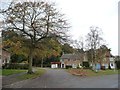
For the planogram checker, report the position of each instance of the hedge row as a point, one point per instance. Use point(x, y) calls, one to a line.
point(15, 66)
point(118, 64)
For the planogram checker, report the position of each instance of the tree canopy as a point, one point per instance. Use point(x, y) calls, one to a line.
point(35, 21)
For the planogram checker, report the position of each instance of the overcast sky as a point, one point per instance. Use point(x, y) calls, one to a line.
point(85, 13)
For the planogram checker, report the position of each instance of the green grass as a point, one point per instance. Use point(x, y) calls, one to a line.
point(0, 71)
point(101, 72)
point(36, 74)
point(119, 71)
point(6, 72)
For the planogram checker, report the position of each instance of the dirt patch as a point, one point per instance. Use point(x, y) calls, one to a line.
point(78, 72)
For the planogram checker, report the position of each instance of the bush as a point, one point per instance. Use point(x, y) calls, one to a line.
point(67, 67)
point(18, 58)
point(15, 66)
point(103, 67)
point(86, 65)
point(118, 64)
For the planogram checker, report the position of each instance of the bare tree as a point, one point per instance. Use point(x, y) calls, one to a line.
point(94, 40)
point(79, 44)
point(35, 21)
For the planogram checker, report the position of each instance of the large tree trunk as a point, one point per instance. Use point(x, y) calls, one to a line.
point(42, 63)
point(30, 71)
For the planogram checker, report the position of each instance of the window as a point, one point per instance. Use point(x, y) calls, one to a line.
point(3, 61)
point(111, 64)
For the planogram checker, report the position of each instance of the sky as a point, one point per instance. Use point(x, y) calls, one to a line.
point(85, 13)
point(81, 14)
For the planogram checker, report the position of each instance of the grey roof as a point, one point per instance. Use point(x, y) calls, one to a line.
point(70, 56)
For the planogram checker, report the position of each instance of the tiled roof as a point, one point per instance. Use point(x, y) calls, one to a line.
point(55, 62)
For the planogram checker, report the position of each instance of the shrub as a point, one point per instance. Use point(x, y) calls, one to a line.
point(86, 64)
point(118, 64)
point(67, 67)
point(102, 67)
point(16, 66)
point(18, 58)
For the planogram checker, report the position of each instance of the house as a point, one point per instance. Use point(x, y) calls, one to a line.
point(71, 60)
point(103, 59)
point(55, 64)
point(5, 57)
point(112, 62)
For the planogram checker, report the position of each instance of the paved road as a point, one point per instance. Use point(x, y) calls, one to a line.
point(58, 78)
point(6, 80)
point(0, 82)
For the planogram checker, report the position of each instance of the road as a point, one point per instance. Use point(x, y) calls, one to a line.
point(58, 78)
point(0, 82)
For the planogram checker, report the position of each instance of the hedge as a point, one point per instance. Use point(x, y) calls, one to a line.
point(15, 66)
point(118, 64)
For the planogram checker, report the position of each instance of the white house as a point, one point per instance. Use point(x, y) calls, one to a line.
point(55, 64)
point(112, 63)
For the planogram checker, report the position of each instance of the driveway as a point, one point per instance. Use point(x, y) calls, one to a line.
point(58, 78)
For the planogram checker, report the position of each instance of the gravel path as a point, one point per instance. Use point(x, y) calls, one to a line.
point(58, 78)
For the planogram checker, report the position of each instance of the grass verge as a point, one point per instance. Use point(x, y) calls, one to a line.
point(0, 71)
point(102, 72)
point(36, 74)
point(88, 72)
point(6, 72)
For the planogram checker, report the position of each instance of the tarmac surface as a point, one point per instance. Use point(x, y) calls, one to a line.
point(59, 78)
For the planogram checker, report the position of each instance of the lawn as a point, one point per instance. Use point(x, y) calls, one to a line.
point(0, 71)
point(102, 72)
point(6, 72)
point(36, 74)
point(88, 72)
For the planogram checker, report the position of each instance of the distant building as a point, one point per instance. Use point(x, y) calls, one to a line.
point(104, 60)
point(71, 60)
point(55, 64)
point(4, 57)
point(112, 62)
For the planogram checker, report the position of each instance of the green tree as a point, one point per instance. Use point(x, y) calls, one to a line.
point(66, 48)
point(35, 21)
point(14, 43)
point(18, 58)
point(48, 47)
